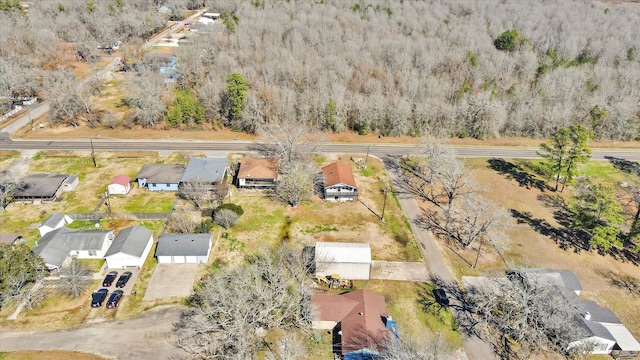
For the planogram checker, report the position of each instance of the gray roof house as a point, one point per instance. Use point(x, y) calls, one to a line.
point(41, 187)
point(209, 170)
point(130, 248)
point(59, 246)
point(160, 177)
point(184, 248)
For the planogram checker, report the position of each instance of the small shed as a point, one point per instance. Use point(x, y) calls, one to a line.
point(53, 222)
point(70, 183)
point(130, 248)
point(120, 185)
point(348, 260)
point(184, 248)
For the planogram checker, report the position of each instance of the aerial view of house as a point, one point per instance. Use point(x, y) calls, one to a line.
point(120, 185)
point(339, 184)
point(130, 248)
point(58, 247)
point(160, 177)
point(258, 172)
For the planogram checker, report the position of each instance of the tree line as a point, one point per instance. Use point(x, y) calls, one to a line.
point(480, 69)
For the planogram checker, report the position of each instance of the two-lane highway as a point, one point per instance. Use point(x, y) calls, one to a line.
point(377, 149)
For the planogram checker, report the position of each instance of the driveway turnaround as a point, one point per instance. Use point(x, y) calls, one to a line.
point(171, 280)
point(144, 337)
point(396, 270)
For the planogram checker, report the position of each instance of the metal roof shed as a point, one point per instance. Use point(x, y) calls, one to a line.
point(349, 260)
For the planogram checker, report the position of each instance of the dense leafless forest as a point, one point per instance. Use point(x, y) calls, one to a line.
point(389, 67)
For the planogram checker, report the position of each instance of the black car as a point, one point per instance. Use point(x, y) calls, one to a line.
point(122, 280)
point(114, 299)
point(440, 296)
point(108, 280)
point(98, 297)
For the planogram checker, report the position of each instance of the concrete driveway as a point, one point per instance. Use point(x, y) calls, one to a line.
point(171, 280)
point(396, 270)
point(127, 288)
point(144, 337)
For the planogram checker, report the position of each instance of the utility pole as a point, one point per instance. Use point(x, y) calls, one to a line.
point(367, 157)
point(477, 255)
point(384, 203)
point(93, 154)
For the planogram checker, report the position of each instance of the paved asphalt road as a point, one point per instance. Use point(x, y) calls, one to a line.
point(144, 337)
point(180, 145)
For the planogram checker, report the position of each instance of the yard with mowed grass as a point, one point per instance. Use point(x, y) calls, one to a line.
point(607, 280)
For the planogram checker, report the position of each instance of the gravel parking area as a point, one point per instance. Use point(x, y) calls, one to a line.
point(171, 280)
point(396, 270)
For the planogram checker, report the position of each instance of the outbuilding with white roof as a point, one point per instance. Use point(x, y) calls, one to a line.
point(348, 260)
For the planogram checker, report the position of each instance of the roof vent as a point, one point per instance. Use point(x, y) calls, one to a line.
point(360, 313)
point(586, 315)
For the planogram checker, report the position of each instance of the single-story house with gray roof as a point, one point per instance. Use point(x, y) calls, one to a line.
point(41, 187)
point(160, 177)
point(53, 222)
point(184, 248)
point(59, 246)
point(130, 248)
point(209, 170)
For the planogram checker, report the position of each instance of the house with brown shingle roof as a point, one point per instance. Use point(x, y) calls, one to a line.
point(359, 320)
point(258, 172)
point(339, 184)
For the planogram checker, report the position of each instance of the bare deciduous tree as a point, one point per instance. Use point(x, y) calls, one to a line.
point(182, 222)
point(430, 346)
point(10, 182)
point(524, 313)
point(296, 182)
point(225, 218)
point(75, 279)
point(146, 91)
point(289, 141)
point(234, 308)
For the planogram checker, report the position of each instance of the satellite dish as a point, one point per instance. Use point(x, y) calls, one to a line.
point(97, 225)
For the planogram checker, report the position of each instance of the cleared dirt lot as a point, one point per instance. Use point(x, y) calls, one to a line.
point(171, 280)
point(403, 271)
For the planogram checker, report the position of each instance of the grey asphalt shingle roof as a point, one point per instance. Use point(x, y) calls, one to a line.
point(53, 220)
point(560, 278)
point(40, 186)
point(598, 313)
point(161, 173)
point(209, 170)
point(54, 247)
point(183, 245)
point(131, 241)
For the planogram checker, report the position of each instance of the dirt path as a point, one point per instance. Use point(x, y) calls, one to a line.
point(143, 337)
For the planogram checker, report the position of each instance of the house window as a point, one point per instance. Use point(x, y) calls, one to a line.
point(153, 185)
point(92, 253)
point(168, 185)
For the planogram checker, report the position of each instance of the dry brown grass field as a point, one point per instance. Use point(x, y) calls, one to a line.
point(603, 277)
point(48, 355)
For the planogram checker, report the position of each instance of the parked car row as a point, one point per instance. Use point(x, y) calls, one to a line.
point(122, 280)
point(98, 298)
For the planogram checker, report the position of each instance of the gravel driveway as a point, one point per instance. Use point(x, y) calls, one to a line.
point(144, 337)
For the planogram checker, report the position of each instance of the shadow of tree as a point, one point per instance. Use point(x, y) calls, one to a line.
point(561, 211)
point(630, 167)
point(622, 281)
point(564, 237)
point(516, 172)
